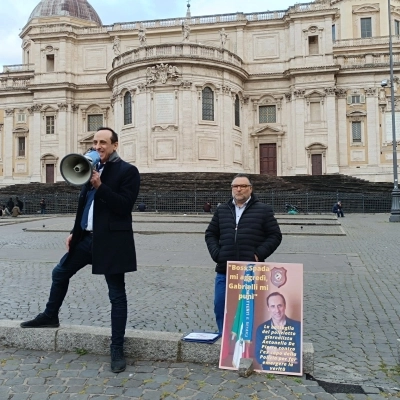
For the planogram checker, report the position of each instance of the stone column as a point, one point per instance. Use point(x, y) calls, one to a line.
point(8, 154)
point(187, 121)
point(62, 128)
point(288, 157)
point(225, 127)
point(298, 132)
point(143, 124)
point(36, 174)
point(73, 135)
point(343, 158)
point(239, 42)
point(248, 148)
point(332, 166)
point(372, 133)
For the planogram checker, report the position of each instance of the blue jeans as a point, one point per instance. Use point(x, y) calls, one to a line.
point(63, 272)
point(219, 300)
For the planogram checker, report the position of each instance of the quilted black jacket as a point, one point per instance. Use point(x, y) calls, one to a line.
point(257, 233)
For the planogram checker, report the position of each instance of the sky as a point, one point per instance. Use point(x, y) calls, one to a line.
point(14, 15)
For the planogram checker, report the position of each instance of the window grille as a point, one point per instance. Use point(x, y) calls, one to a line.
point(95, 121)
point(207, 104)
point(127, 108)
point(267, 114)
point(50, 125)
point(21, 147)
point(237, 111)
point(356, 132)
point(366, 27)
point(313, 47)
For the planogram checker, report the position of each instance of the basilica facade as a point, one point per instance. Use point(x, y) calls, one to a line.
point(289, 92)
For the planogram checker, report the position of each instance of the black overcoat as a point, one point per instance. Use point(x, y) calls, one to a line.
point(257, 233)
point(113, 246)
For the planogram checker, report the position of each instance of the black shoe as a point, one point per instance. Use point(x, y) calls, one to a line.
point(118, 362)
point(41, 321)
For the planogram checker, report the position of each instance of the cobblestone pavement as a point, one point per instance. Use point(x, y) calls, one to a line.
point(37, 375)
point(351, 300)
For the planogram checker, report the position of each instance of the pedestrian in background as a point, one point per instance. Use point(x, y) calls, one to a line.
point(207, 207)
point(15, 211)
point(141, 207)
point(338, 209)
point(10, 205)
point(42, 206)
point(19, 203)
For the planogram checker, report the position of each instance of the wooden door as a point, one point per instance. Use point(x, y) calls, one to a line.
point(316, 164)
point(49, 173)
point(268, 159)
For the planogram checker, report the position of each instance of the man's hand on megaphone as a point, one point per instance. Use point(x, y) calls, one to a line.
point(95, 179)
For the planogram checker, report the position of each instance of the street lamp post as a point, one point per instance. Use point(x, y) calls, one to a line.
point(395, 211)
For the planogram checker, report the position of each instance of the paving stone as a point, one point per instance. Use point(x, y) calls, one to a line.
point(351, 337)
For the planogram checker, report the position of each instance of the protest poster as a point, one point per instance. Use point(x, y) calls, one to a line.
point(264, 317)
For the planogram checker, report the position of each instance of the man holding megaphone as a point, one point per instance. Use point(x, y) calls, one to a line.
point(102, 236)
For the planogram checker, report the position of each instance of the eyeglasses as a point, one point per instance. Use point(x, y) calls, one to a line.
point(240, 186)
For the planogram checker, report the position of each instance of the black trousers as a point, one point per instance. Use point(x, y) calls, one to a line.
point(65, 269)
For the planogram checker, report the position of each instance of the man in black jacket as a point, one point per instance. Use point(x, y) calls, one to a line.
point(102, 236)
point(244, 229)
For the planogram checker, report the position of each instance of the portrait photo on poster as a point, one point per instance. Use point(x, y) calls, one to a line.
point(264, 317)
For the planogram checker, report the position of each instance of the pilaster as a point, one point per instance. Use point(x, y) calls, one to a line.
point(342, 128)
point(332, 166)
point(300, 151)
point(8, 160)
point(372, 134)
point(36, 148)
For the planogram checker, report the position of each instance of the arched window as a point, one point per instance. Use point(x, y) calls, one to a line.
point(127, 108)
point(208, 104)
point(237, 111)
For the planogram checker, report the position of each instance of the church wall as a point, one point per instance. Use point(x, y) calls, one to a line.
point(309, 86)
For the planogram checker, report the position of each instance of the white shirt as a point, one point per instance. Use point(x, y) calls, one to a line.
point(239, 210)
point(90, 215)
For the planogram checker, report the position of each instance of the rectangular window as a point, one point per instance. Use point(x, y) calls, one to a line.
point(315, 111)
point(21, 118)
point(355, 99)
point(95, 121)
point(267, 114)
point(237, 111)
point(366, 27)
point(21, 147)
point(50, 63)
point(333, 33)
point(313, 47)
point(396, 27)
point(50, 125)
point(356, 132)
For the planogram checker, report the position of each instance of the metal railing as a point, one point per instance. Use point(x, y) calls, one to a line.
point(193, 201)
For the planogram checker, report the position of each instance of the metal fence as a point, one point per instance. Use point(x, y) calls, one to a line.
point(193, 201)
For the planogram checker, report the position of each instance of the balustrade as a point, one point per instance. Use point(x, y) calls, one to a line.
point(170, 22)
point(175, 50)
point(18, 67)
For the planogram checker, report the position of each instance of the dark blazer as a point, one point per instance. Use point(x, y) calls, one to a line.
point(113, 249)
point(292, 335)
point(257, 233)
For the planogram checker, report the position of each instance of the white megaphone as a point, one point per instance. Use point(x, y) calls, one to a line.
point(77, 169)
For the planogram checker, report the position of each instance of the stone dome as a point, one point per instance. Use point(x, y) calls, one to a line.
point(70, 8)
